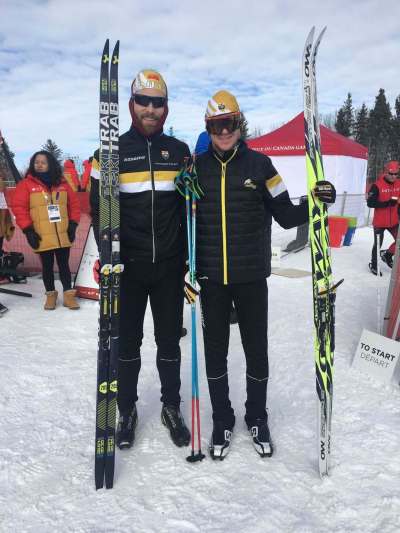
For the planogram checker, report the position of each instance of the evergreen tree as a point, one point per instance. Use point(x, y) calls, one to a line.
point(395, 139)
point(8, 170)
point(345, 118)
point(361, 134)
point(380, 133)
point(340, 123)
point(51, 147)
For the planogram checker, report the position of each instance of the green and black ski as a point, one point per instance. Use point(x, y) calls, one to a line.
point(324, 290)
point(109, 254)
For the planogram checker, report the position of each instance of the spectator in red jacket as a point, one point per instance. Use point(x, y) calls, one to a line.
point(47, 211)
point(71, 175)
point(85, 178)
point(384, 197)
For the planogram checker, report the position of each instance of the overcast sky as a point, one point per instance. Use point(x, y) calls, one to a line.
point(50, 54)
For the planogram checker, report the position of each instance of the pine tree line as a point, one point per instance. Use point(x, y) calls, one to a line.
point(378, 129)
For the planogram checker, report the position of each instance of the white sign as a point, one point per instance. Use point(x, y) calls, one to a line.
point(276, 256)
point(85, 284)
point(376, 355)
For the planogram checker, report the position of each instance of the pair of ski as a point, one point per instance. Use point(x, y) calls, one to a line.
point(110, 271)
point(324, 290)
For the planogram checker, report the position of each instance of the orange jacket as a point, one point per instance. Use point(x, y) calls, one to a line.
point(30, 206)
point(71, 175)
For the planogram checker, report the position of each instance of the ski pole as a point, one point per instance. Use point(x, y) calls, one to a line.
point(191, 223)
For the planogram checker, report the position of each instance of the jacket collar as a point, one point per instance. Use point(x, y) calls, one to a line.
point(241, 149)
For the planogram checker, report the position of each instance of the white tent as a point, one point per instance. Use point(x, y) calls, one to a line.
point(345, 162)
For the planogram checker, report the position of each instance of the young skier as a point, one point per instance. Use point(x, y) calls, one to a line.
point(242, 192)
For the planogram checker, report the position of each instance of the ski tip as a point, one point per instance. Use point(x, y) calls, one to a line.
point(116, 48)
point(106, 50)
point(311, 34)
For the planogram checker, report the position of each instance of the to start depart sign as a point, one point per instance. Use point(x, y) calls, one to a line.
point(376, 355)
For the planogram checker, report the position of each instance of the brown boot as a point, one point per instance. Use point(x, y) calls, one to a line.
point(70, 300)
point(51, 300)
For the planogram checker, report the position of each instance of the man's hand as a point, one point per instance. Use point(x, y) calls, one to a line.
point(187, 178)
point(325, 192)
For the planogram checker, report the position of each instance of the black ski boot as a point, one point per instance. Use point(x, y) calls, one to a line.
point(387, 258)
point(220, 440)
point(373, 269)
point(127, 423)
point(261, 437)
point(172, 418)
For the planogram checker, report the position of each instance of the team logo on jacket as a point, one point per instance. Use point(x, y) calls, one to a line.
point(250, 184)
point(165, 154)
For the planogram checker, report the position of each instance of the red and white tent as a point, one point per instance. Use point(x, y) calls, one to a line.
point(345, 161)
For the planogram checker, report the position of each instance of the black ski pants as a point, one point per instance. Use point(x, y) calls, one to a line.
point(379, 233)
point(62, 257)
point(162, 284)
point(250, 300)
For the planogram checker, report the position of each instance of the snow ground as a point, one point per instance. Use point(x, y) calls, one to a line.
point(47, 405)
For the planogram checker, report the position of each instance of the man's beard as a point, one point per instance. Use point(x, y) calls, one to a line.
point(147, 130)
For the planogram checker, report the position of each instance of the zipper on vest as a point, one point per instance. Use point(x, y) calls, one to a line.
point(152, 200)
point(223, 216)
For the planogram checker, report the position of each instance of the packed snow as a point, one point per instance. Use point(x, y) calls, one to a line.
point(47, 383)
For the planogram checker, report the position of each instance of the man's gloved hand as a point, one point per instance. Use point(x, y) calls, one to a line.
point(392, 201)
point(32, 237)
point(187, 178)
point(190, 290)
point(325, 192)
point(71, 230)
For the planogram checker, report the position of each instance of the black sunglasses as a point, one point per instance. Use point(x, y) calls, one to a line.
point(217, 125)
point(145, 101)
point(393, 173)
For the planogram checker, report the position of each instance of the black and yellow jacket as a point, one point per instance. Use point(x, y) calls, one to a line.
point(151, 211)
point(242, 192)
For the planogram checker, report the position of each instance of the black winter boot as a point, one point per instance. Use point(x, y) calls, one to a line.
point(172, 418)
point(127, 423)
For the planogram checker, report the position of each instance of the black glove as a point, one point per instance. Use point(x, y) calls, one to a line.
point(325, 192)
point(392, 201)
point(33, 238)
point(71, 230)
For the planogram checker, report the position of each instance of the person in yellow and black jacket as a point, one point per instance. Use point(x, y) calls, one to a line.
point(47, 211)
point(242, 191)
point(152, 251)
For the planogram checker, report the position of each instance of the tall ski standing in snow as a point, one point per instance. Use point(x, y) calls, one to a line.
point(323, 288)
point(109, 251)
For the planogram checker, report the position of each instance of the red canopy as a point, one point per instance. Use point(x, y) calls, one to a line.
point(289, 140)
